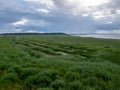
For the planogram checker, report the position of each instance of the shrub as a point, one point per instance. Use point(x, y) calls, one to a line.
point(75, 85)
point(17, 69)
point(28, 72)
point(58, 84)
point(72, 76)
point(35, 54)
point(38, 80)
point(9, 77)
point(4, 66)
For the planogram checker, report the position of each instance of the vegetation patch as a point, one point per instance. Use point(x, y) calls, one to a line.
point(59, 62)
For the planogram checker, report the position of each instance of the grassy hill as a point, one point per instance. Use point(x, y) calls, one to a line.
point(58, 62)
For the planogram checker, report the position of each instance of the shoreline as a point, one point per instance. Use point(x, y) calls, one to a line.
point(102, 36)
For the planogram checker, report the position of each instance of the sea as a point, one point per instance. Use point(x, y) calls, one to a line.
point(107, 36)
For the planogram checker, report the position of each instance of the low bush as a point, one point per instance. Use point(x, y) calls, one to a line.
point(9, 77)
point(75, 85)
point(72, 76)
point(58, 84)
point(28, 72)
point(42, 79)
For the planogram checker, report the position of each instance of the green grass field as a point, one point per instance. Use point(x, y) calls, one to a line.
point(59, 62)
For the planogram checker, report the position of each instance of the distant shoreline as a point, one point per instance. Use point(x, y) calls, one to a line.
point(96, 34)
point(104, 36)
point(92, 35)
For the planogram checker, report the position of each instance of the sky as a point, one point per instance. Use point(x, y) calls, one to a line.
point(67, 16)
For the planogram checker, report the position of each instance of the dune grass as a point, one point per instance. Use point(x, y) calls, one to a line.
point(59, 62)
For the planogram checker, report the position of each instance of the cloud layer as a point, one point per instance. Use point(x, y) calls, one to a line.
point(69, 16)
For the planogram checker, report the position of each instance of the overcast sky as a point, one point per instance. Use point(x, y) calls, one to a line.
point(68, 16)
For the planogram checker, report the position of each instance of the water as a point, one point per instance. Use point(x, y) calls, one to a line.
point(107, 36)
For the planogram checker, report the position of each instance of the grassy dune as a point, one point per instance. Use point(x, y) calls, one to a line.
point(59, 62)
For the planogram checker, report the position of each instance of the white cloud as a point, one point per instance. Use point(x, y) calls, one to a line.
point(78, 7)
point(96, 8)
point(87, 3)
point(21, 22)
point(108, 32)
point(85, 14)
point(118, 11)
point(109, 22)
point(98, 14)
point(48, 3)
point(33, 31)
point(103, 13)
point(30, 22)
point(44, 11)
